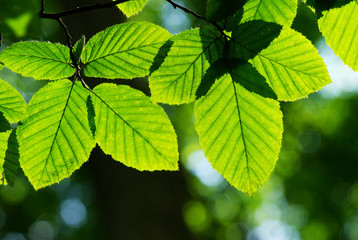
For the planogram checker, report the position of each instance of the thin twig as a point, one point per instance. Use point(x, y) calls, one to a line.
point(80, 9)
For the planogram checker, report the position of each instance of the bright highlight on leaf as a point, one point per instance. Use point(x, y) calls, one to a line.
point(55, 138)
point(133, 130)
point(292, 66)
point(339, 27)
point(123, 51)
point(240, 133)
point(132, 7)
point(40, 60)
point(279, 11)
point(12, 104)
point(191, 54)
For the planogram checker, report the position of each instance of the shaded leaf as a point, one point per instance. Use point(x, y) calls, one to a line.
point(4, 136)
point(279, 11)
point(55, 138)
point(340, 29)
point(249, 38)
point(191, 54)
point(244, 73)
point(123, 51)
point(133, 130)
point(132, 7)
point(12, 164)
point(40, 60)
point(78, 47)
point(4, 124)
point(12, 104)
point(240, 133)
point(292, 66)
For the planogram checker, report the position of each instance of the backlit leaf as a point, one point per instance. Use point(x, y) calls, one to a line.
point(12, 104)
point(340, 29)
point(132, 7)
point(133, 130)
point(123, 51)
point(40, 60)
point(55, 138)
point(279, 11)
point(191, 54)
point(292, 66)
point(240, 133)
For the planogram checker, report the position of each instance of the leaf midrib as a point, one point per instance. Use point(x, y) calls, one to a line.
point(129, 125)
point(57, 130)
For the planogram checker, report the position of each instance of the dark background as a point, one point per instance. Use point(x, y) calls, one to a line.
point(312, 194)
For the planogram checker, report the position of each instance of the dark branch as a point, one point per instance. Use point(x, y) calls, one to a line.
point(79, 9)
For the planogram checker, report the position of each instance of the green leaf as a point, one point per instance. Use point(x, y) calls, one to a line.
point(292, 66)
point(240, 133)
point(249, 38)
point(12, 164)
point(244, 73)
point(218, 9)
point(279, 11)
point(4, 136)
point(133, 130)
point(55, 138)
point(12, 104)
point(191, 54)
point(40, 60)
point(123, 51)
point(78, 47)
point(132, 7)
point(340, 29)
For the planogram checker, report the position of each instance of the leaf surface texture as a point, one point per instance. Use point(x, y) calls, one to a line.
point(340, 29)
point(192, 52)
point(132, 7)
point(292, 66)
point(240, 133)
point(55, 138)
point(123, 51)
point(133, 130)
point(40, 60)
point(12, 104)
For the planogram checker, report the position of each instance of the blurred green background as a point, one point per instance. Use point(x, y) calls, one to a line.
point(312, 194)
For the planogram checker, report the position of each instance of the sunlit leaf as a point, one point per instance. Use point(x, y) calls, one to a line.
point(132, 7)
point(123, 51)
point(133, 130)
point(12, 104)
point(279, 11)
point(292, 66)
point(191, 54)
point(340, 29)
point(40, 60)
point(55, 138)
point(240, 133)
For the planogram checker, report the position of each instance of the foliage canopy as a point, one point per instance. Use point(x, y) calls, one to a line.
point(236, 69)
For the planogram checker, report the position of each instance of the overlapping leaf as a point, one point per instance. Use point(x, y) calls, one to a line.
point(12, 164)
point(40, 60)
point(132, 7)
point(55, 138)
point(240, 133)
point(292, 66)
point(340, 28)
point(280, 11)
point(191, 54)
point(133, 130)
point(12, 104)
point(123, 51)
point(249, 38)
point(218, 10)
